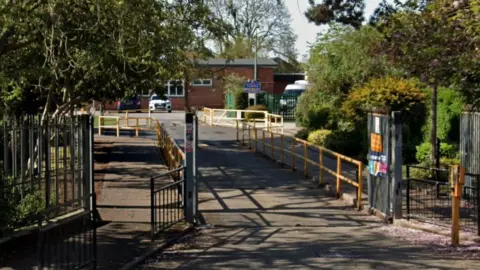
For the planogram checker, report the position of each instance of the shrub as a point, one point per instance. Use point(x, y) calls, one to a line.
point(318, 137)
point(398, 95)
point(316, 110)
point(241, 100)
point(234, 85)
point(349, 143)
point(302, 134)
point(255, 115)
point(447, 151)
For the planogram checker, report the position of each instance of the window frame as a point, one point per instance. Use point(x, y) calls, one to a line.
point(202, 82)
point(168, 89)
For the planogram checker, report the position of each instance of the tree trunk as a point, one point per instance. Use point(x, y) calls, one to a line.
point(433, 128)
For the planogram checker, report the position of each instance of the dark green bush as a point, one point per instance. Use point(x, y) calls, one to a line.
point(349, 143)
point(20, 208)
point(302, 134)
point(255, 115)
point(241, 100)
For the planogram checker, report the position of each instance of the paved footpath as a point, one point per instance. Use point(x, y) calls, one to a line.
point(124, 203)
point(263, 216)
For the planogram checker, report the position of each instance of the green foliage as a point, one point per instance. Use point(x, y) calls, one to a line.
point(344, 57)
point(318, 137)
point(57, 54)
point(448, 151)
point(449, 108)
point(312, 112)
point(255, 115)
point(398, 95)
point(233, 84)
point(19, 208)
point(302, 134)
point(349, 143)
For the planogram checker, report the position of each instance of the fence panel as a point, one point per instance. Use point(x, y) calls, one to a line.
point(45, 165)
point(167, 202)
point(283, 105)
point(427, 199)
point(68, 245)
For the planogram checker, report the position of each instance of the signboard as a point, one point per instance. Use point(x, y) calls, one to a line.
point(189, 138)
point(378, 162)
point(252, 87)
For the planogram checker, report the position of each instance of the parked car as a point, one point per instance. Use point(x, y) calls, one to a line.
point(162, 103)
point(129, 104)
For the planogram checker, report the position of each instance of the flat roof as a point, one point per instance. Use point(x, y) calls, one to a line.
point(264, 62)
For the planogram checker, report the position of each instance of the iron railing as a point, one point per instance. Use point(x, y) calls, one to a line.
point(166, 201)
point(69, 244)
point(429, 199)
point(45, 165)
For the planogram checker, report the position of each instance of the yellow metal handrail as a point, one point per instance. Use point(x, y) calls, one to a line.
point(271, 121)
point(267, 140)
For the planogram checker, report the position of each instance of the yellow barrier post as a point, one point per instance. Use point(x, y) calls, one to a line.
point(118, 127)
point(255, 137)
point(126, 116)
point(243, 132)
point(236, 121)
point(281, 149)
point(136, 127)
point(211, 117)
point(360, 186)
point(305, 159)
point(320, 166)
point(458, 173)
point(263, 141)
point(100, 118)
point(271, 145)
point(293, 154)
point(339, 172)
point(249, 138)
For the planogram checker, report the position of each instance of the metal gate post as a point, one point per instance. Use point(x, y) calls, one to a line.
point(397, 165)
point(189, 174)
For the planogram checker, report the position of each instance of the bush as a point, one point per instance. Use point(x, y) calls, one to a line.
point(397, 95)
point(302, 134)
point(447, 151)
point(318, 137)
point(255, 115)
point(316, 110)
point(233, 84)
point(349, 143)
point(241, 100)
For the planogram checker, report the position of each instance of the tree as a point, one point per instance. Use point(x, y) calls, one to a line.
point(432, 47)
point(262, 25)
point(351, 12)
point(64, 52)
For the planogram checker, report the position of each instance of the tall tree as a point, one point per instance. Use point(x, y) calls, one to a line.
point(351, 12)
point(63, 52)
point(434, 47)
point(262, 25)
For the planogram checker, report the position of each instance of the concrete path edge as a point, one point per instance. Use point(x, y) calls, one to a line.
point(137, 261)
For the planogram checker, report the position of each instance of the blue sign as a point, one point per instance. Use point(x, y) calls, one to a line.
point(252, 87)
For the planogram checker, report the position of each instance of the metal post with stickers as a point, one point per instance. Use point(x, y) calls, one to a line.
point(190, 172)
point(384, 191)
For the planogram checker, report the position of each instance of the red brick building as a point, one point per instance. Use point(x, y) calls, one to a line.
point(208, 91)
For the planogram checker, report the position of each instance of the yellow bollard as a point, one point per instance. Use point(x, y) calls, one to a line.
point(305, 159)
point(339, 172)
point(320, 166)
point(360, 186)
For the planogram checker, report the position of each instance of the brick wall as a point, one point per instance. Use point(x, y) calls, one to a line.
point(213, 96)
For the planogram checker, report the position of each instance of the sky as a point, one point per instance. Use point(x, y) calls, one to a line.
point(307, 32)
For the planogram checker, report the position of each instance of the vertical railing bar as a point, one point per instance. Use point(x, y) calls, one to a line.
point(47, 165)
point(57, 194)
point(152, 209)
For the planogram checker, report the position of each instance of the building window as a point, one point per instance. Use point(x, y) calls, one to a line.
point(202, 82)
point(174, 88)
